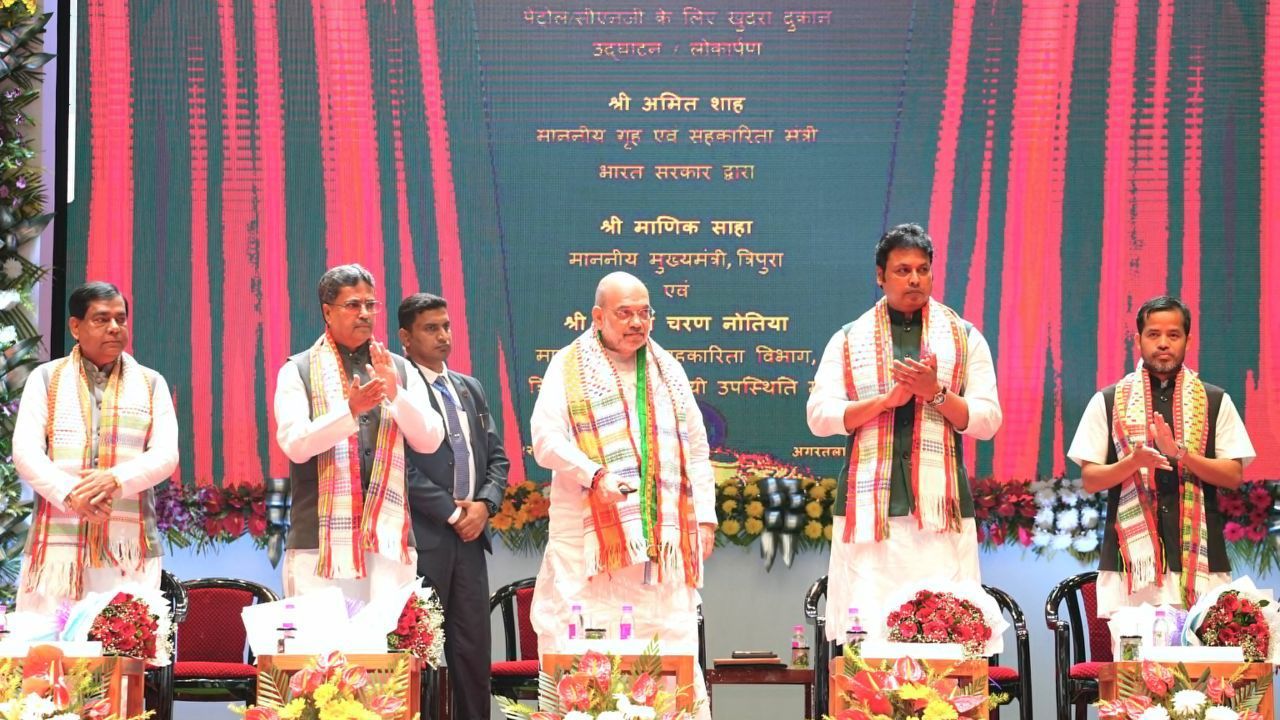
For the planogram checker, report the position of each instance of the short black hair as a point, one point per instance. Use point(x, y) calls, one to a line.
point(1161, 303)
point(332, 282)
point(417, 303)
point(85, 295)
point(908, 236)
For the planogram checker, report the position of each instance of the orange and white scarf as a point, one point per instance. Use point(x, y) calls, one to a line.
point(868, 367)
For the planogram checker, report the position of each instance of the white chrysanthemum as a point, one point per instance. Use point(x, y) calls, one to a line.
point(1041, 539)
point(12, 268)
point(1076, 483)
point(1218, 712)
point(577, 715)
point(8, 336)
point(634, 712)
point(1186, 702)
point(1088, 517)
point(1045, 497)
point(37, 707)
point(1068, 520)
point(9, 298)
point(1068, 497)
point(65, 716)
point(1037, 485)
point(1154, 713)
point(1061, 542)
point(610, 715)
point(1085, 543)
point(1044, 518)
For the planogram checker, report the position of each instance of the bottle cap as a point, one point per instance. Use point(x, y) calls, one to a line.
point(576, 607)
point(798, 629)
point(1160, 613)
point(627, 609)
point(853, 611)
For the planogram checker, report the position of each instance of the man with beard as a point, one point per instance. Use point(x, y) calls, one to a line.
point(1161, 442)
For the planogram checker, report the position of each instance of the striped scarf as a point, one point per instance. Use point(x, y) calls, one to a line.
point(352, 521)
point(62, 543)
point(657, 522)
point(1136, 525)
point(868, 364)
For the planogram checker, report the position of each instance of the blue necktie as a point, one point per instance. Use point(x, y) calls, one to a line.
point(457, 441)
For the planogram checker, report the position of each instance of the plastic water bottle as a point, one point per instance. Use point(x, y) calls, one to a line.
point(575, 622)
point(853, 632)
point(799, 648)
point(287, 630)
point(1161, 630)
point(626, 623)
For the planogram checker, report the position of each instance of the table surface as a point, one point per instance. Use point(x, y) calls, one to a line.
point(749, 675)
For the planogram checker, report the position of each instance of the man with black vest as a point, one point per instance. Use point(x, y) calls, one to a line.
point(345, 409)
point(1161, 442)
point(452, 493)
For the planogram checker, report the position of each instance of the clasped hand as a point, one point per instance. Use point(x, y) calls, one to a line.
point(383, 383)
point(913, 378)
point(92, 497)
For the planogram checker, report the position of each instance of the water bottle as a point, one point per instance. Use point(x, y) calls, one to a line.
point(4, 622)
point(626, 623)
point(853, 632)
point(286, 630)
point(575, 622)
point(1161, 630)
point(799, 648)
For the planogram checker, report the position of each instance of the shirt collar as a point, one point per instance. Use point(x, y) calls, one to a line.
point(897, 317)
point(1158, 384)
point(430, 374)
point(97, 376)
point(360, 353)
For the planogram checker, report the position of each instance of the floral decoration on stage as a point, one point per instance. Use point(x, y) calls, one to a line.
point(1236, 621)
point(1067, 519)
point(596, 687)
point(329, 687)
point(420, 629)
point(759, 497)
point(904, 689)
point(940, 617)
point(1157, 692)
point(131, 627)
point(521, 520)
point(189, 516)
point(44, 686)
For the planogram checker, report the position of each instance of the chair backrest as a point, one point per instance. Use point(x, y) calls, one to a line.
point(515, 600)
point(1088, 631)
point(1099, 628)
point(213, 630)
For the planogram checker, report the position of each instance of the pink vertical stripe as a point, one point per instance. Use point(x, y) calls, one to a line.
point(395, 79)
point(452, 279)
point(510, 423)
point(201, 312)
point(110, 246)
point(349, 143)
point(1150, 194)
point(240, 252)
point(1262, 388)
point(1031, 269)
point(1193, 127)
point(273, 265)
point(1114, 311)
point(944, 163)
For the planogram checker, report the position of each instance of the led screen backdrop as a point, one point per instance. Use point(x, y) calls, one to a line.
point(1069, 158)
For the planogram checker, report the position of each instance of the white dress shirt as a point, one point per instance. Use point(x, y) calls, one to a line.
point(431, 376)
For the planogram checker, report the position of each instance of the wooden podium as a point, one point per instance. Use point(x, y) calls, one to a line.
point(964, 672)
point(378, 665)
point(1108, 674)
point(123, 677)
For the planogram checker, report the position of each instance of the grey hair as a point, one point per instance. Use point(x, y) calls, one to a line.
point(332, 282)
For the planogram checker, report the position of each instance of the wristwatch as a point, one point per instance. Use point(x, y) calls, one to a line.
point(938, 399)
point(493, 509)
point(1182, 452)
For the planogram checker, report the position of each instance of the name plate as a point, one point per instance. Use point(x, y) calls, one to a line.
point(917, 651)
point(1192, 654)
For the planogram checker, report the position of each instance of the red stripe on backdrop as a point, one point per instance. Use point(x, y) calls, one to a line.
point(201, 393)
point(395, 79)
point(1114, 290)
point(1032, 268)
point(1262, 389)
point(944, 163)
point(1193, 126)
point(452, 277)
point(241, 324)
point(348, 142)
point(273, 244)
point(110, 244)
point(510, 424)
point(1150, 193)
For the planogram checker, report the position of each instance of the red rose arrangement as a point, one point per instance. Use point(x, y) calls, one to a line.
point(128, 627)
point(419, 630)
point(1235, 621)
point(940, 617)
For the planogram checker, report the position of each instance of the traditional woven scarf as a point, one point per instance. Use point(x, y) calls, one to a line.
point(352, 521)
point(868, 365)
point(657, 522)
point(1136, 524)
point(62, 542)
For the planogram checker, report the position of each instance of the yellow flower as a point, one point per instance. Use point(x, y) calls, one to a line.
point(528, 485)
point(817, 492)
point(754, 526)
point(294, 709)
point(813, 529)
point(829, 483)
point(730, 527)
point(751, 490)
point(914, 691)
point(813, 509)
point(729, 506)
point(730, 490)
point(325, 693)
point(826, 532)
point(755, 509)
point(808, 483)
point(940, 710)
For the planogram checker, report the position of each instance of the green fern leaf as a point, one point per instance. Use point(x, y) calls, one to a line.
point(272, 687)
point(548, 694)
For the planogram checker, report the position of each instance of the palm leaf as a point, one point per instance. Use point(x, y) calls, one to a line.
point(1250, 696)
point(650, 661)
point(548, 695)
point(1130, 683)
point(272, 687)
point(512, 709)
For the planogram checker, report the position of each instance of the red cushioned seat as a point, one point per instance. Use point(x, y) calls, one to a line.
point(1002, 674)
point(1086, 670)
point(515, 668)
point(213, 670)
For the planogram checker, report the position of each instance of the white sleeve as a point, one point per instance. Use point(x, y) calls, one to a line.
point(550, 426)
point(30, 446)
point(1231, 440)
point(985, 415)
point(701, 476)
point(422, 426)
point(300, 437)
point(157, 463)
point(828, 400)
point(1093, 437)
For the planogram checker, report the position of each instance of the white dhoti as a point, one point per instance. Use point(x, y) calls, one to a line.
point(100, 579)
point(864, 575)
point(383, 577)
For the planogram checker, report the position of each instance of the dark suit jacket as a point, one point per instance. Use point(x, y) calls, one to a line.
point(429, 477)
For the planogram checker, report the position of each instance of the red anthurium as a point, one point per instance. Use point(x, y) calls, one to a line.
point(1159, 679)
point(908, 670)
point(598, 667)
point(573, 692)
point(544, 716)
point(644, 689)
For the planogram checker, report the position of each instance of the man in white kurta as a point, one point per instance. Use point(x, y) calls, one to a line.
point(908, 366)
point(663, 592)
point(93, 483)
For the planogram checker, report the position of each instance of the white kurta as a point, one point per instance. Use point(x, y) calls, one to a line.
point(1090, 444)
point(301, 438)
point(861, 575)
point(669, 609)
point(31, 458)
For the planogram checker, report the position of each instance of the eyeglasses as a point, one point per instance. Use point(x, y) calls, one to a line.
point(373, 307)
point(645, 314)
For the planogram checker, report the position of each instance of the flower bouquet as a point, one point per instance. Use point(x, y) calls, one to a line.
point(905, 689)
point(47, 688)
point(1067, 519)
point(1236, 615)
point(419, 630)
point(596, 688)
point(1160, 693)
point(521, 520)
point(940, 617)
point(329, 687)
point(133, 621)
point(1003, 511)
